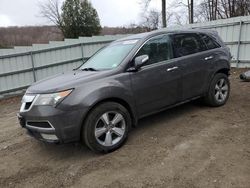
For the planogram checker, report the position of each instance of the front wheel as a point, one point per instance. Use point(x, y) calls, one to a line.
point(106, 127)
point(219, 90)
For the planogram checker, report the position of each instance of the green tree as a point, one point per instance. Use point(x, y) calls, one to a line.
point(79, 18)
point(75, 18)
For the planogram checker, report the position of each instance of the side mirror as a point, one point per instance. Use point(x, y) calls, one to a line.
point(139, 62)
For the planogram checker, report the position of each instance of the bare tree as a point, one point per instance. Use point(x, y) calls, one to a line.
point(233, 8)
point(202, 12)
point(51, 10)
point(151, 19)
point(21, 36)
point(219, 9)
point(146, 3)
point(207, 10)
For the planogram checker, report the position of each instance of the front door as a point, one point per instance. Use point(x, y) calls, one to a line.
point(158, 83)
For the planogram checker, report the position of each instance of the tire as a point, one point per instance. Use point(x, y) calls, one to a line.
point(106, 127)
point(219, 90)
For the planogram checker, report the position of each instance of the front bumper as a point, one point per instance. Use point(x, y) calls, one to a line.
point(50, 124)
point(40, 133)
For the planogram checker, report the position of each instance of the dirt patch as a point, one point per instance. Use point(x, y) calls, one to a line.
point(188, 146)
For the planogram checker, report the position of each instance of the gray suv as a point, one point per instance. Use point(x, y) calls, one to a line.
point(129, 79)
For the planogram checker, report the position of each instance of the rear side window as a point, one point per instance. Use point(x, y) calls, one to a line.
point(210, 43)
point(186, 44)
point(157, 48)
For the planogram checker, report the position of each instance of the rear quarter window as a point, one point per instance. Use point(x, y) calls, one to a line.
point(210, 42)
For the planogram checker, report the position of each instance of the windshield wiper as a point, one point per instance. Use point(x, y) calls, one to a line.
point(89, 69)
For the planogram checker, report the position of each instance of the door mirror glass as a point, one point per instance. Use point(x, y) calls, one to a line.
point(140, 61)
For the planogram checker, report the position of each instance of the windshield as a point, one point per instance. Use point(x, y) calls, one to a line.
point(109, 57)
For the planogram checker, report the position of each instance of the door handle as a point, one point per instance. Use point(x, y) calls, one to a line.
point(171, 69)
point(209, 57)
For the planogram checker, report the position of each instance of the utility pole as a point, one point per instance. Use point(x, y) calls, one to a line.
point(163, 11)
point(191, 11)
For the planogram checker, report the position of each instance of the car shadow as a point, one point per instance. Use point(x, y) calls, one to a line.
point(171, 114)
point(80, 151)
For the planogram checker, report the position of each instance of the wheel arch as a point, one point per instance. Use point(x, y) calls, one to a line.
point(209, 97)
point(120, 101)
point(225, 71)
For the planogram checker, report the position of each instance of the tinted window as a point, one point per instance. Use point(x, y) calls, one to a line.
point(210, 43)
point(186, 44)
point(158, 49)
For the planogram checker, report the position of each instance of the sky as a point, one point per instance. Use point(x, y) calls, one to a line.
point(111, 12)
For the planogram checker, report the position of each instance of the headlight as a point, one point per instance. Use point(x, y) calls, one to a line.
point(52, 99)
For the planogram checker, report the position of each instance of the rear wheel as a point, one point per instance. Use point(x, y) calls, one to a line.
point(219, 90)
point(106, 127)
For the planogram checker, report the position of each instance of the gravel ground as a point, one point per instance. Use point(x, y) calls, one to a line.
point(189, 146)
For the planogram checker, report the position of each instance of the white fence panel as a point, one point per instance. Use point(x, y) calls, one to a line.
point(21, 66)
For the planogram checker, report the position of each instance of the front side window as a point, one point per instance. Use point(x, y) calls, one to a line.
point(111, 56)
point(186, 44)
point(211, 44)
point(157, 48)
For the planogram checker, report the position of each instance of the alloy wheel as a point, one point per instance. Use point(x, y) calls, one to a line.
point(221, 90)
point(110, 128)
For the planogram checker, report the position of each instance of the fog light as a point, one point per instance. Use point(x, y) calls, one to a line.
point(51, 137)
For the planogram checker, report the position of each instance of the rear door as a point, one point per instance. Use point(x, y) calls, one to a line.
point(213, 53)
point(158, 83)
point(191, 51)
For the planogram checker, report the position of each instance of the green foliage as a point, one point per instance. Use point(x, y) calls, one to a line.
point(79, 18)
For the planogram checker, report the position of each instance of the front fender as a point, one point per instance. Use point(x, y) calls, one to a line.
point(89, 94)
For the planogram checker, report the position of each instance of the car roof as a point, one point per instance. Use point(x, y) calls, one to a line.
point(145, 35)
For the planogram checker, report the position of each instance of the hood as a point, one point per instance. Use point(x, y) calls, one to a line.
point(64, 81)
